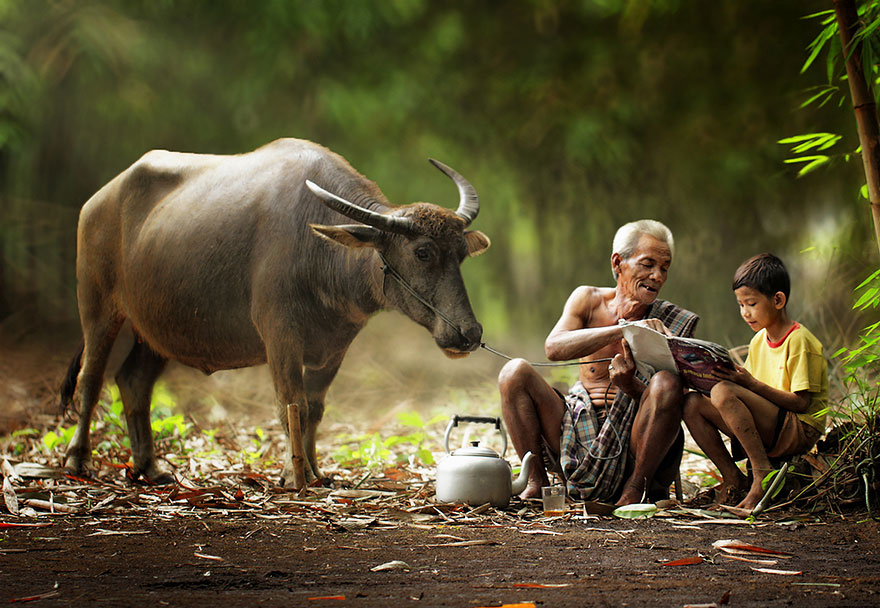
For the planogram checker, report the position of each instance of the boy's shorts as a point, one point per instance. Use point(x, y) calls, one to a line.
point(793, 436)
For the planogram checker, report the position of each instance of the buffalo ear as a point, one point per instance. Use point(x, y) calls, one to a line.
point(477, 242)
point(353, 235)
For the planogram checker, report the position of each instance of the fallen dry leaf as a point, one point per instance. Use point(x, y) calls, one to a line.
point(327, 597)
point(738, 546)
point(216, 558)
point(392, 565)
point(685, 561)
point(763, 562)
point(541, 585)
point(550, 532)
point(772, 571)
point(8, 471)
point(9, 496)
point(102, 532)
point(40, 596)
point(466, 543)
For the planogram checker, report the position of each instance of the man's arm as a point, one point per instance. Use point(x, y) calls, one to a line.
point(571, 337)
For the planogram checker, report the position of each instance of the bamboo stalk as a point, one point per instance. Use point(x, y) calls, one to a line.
point(863, 104)
point(296, 446)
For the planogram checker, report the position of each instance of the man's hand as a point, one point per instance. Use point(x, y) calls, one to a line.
point(655, 324)
point(621, 372)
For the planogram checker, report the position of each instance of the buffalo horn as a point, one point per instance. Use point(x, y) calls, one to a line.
point(469, 203)
point(381, 221)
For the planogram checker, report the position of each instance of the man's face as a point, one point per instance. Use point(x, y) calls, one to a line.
point(643, 274)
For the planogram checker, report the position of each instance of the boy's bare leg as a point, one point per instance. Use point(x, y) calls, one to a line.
point(532, 410)
point(655, 429)
point(752, 420)
point(704, 423)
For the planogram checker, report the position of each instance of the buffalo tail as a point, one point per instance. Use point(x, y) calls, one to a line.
point(68, 385)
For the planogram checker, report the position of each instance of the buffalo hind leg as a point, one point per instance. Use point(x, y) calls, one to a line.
point(135, 379)
point(98, 338)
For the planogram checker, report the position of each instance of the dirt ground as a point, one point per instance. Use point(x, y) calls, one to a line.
point(310, 554)
point(233, 561)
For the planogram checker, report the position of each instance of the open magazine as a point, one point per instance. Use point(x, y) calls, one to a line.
point(694, 360)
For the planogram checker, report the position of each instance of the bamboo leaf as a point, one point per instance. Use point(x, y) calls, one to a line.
point(873, 276)
point(866, 297)
point(813, 165)
point(817, 45)
point(799, 138)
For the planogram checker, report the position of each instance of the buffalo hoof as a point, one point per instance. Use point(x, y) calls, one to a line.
point(76, 465)
point(288, 479)
point(153, 476)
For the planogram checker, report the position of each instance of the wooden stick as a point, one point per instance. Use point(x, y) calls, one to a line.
point(296, 446)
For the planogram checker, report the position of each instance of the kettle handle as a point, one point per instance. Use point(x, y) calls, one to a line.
point(479, 420)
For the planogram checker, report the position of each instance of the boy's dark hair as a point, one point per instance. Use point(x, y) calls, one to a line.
point(764, 272)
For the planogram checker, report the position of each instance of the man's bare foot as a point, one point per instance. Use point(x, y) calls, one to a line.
point(632, 493)
point(531, 491)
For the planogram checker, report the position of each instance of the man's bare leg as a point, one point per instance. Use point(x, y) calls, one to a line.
point(655, 428)
point(704, 422)
point(532, 410)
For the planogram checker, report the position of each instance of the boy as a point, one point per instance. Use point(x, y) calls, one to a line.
point(774, 405)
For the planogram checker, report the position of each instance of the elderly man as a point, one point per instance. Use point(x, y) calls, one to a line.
point(617, 435)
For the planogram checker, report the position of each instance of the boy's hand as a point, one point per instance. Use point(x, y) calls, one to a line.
point(737, 375)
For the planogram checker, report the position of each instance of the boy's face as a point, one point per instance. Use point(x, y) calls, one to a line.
point(756, 309)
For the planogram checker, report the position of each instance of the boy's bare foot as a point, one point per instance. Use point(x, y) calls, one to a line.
point(752, 499)
point(729, 493)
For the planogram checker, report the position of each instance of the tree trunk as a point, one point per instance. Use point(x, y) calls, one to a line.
point(863, 104)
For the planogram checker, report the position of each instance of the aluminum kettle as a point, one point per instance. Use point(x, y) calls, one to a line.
point(476, 475)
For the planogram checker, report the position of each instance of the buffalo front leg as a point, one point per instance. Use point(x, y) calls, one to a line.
point(135, 379)
point(317, 381)
point(287, 375)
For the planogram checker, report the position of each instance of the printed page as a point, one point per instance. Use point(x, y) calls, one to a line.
point(649, 346)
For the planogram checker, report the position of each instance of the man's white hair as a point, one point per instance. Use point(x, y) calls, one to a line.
point(627, 238)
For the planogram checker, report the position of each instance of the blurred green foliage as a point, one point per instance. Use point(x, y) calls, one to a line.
point(570, 117)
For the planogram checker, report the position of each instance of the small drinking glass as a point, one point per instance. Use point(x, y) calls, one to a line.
point(554, 500)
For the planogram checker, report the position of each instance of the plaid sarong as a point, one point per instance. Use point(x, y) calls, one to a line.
point(594, 456)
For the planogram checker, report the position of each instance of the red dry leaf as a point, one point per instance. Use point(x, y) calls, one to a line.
point(4, 524)
point(685, 561)
point(736, 544)
point(327, 597)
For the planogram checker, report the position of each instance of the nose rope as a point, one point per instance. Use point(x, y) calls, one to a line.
point(388, 270)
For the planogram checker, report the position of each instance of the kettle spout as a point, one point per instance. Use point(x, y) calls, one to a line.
point(520, 482)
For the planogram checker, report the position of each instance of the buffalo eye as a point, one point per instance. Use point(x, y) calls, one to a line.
point(423, 254)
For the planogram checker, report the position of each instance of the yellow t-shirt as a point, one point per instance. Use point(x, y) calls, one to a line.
point(795, 365)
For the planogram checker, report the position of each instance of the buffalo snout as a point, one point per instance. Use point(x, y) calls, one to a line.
point(460, 341)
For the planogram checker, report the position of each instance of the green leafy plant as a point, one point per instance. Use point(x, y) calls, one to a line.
point(866, 354)
point(375, 452)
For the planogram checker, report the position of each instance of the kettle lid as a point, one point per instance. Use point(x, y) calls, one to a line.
point(475, 450)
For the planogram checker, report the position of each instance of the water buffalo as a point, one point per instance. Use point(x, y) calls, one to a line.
point(216, 262)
